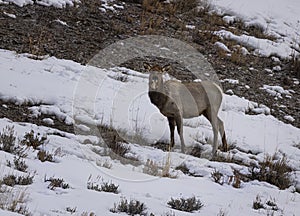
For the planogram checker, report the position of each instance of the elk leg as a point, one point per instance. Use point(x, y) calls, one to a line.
point(216, 133)
point(213, 118)
point(179, 123)
point(172, 128)
point(223, 135)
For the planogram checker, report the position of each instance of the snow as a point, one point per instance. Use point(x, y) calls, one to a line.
point(48, 121)
point(231, 81)
point(222, 46)
point(192, 27)
point(289, 118)
point(278, 18)
point(263, 47)
point(276, 68)
point(10, 15)
point(276, 91)
point(52, 87)
point(61, 22)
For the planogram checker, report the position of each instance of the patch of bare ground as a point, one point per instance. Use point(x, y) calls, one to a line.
point(22, 113)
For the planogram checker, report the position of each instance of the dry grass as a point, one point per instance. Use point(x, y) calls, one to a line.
point(12, 180)
point(37, 43)
point(14, 201)
point(218, 177)
point(257, 203)
point(269, 205)
point(106, 164)
point(234, 180)
point(132, 207)
point(45, 156)
point(33, 140)
point(56, 182)
point(108, 187)
point(274, 171)
point(151, 168)
point(8, 140)
point(185, 204)
point(18, 164)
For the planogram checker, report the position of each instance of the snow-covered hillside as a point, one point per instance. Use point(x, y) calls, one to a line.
point(119, 100)
point(278, 18)
point(53, 82)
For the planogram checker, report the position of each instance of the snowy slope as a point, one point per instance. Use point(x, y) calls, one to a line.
point(54, 82)
point(278, 18)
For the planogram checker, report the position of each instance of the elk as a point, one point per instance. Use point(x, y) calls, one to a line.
point(177, 100)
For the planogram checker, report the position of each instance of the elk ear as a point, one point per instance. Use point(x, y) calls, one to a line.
point(166, 68)
point(147, 66)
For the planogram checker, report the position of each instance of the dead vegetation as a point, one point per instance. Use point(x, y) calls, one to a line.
point(43, 156)
point(8, 140)
point(12, 180)
point(269, 205)
point(104, 186)
point(14, 201)
point(185, 204)
point(18, 164)
point(273, 170)
point(132, 207)
point(56, 183)
point(33, 140)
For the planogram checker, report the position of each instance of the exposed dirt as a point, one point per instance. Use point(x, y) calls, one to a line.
point(21, 113)
point(38, 30)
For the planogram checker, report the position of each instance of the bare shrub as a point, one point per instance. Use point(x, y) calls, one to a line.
point(269, 204)
point(18, 164)
point(276, 172)
point(118, 148)
point(71, 210)
point(132, 207)
point(86, 213)
point(257, 203)
point(108, 187)
point(106, 164)
point(33, 140)
point(238, 57)
point(187, 205)
point(8, 140)
point(221, 212)
point(183, 168)
point(272, 204)
point(12, 180)
point(151, 168)
point(235, 180)
point(56, 182)
point(45, 156)
point(217, 177)
point(14, 202)
point(113, 140)
point(196, 151)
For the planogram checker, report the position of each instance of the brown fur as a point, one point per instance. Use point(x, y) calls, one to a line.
point(177, 100)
